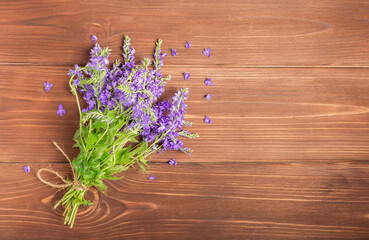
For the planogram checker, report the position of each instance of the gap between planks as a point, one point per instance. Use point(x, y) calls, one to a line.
point(212, 66)
point(279, 162)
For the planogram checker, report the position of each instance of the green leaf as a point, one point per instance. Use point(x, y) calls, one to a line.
point(92, 138)
point(122, 156)
point(114, 178)
point(108, 138)
point(76, 135)
point(142, 167)
point(98, 152)
point(115, 169)
point(98, 124)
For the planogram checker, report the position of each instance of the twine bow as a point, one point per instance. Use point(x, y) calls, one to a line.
point(75, 183)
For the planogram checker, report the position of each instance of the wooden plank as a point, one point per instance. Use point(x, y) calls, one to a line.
point(254, 32)
point(259, 114)
point(197, 201)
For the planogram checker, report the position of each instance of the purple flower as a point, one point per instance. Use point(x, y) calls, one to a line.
point(207, 119)
point(47, 86)
point(98, 59)
point(172, 162)
point(174, 52)
point(208, 96)
point(151, 177)
point(94, 38)
point(207, 51)
point(76, 71)
point(188, 45)
point(27, 169)
point(124, 87)
point(61, 110)
point(186, 75)
point(76, 82)
point(208, 82)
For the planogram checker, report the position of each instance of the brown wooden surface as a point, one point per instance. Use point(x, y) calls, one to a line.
point(285, 158)
point(199, 201)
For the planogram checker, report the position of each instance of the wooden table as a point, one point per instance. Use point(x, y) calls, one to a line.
point(286, 156)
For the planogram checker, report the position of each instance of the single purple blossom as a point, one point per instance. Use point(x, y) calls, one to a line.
point(76, 71)
point(186, 75)
point(76, 81)
point(208, 82)
point(172, 162)
point(207, 119)
point(27, 169)
point(94, 38)
point(61, 110)
point(151, 177)
point(208, 96)
point(174, 52)
point(207, 51)
point(47, 86)
point(188, 44)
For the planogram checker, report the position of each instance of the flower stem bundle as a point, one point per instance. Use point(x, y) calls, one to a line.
point(123, 123)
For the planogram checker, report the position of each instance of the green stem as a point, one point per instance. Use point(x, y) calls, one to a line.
point(79, 108)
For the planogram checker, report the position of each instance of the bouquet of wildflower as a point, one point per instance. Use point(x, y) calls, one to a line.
point(123, 122)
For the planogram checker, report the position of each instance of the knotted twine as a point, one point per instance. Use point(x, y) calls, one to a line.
point(75, 183)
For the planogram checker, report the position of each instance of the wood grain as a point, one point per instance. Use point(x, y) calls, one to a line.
point(253, 32)
point(286, 156)
point(259, 114)
point(198, 201)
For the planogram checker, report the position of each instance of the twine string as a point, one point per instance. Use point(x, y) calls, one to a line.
point(75, 183)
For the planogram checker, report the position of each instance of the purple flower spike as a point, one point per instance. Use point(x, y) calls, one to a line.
point(208, 82)
point(47, 86)
point(208, 96)
point(172, 162)
point(27, 169)
point(94, 38)
point(186, 75)
point(151, 177)
point(207, 119)
point(188, 45)
point(174, 52)
point(207, 51)
point(61, 110)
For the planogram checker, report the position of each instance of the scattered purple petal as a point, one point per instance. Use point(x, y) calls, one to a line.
point(61, 110)
point(207, 119)
point(94, 38)
point(208, 82)
point(207, 51)
point(47, 86)
point(174, 52)
point(172, 162)
point(188, 45)
point(27, 169)
point(208, 96)
point(186, 75)
point(151, 177)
